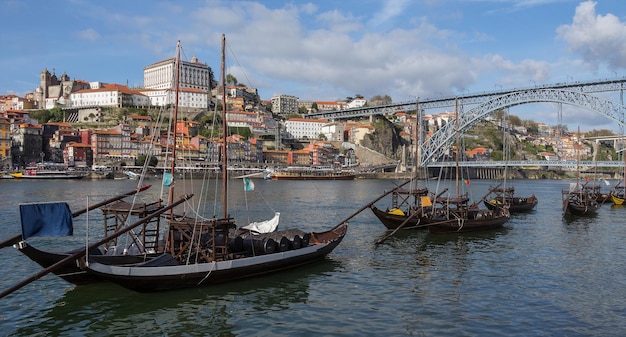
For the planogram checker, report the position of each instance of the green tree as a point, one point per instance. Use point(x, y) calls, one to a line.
point(141, 160)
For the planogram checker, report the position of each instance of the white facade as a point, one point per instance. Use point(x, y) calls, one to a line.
point(110, 95)
point(301, 128)
point(195, 82)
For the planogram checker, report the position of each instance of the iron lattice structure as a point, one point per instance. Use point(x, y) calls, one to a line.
point(433, 148)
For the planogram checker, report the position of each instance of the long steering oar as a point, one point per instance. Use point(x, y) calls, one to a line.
point(371, 203)
point(17, 238)
point(83, 252)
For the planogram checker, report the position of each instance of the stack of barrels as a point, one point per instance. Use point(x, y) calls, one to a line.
point(269, 243)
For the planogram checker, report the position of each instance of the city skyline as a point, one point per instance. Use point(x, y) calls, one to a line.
point(326, 51)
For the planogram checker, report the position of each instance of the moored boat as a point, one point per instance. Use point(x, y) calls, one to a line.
point(505, 197)
point(312, 173)
point(201, 251)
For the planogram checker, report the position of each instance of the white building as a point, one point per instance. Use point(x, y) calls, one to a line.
point(196, 80)
point(302, 128)
point(112, 95)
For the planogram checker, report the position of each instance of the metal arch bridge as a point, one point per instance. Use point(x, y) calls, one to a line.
point(433, 148)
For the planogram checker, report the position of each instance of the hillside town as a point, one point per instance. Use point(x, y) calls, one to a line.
point(112, 125)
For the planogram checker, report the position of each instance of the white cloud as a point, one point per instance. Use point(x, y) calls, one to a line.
point(88, 35)
point(599, 39)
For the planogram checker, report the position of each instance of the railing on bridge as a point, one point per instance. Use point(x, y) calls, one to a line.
point(570, 164)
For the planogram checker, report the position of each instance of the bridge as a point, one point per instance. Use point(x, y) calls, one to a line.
point(432, 149)
point(567, 164)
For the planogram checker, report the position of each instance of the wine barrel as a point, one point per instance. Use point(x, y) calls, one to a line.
point(283, 244)
point(235, 244)
point(296, 242)
point(259, 246)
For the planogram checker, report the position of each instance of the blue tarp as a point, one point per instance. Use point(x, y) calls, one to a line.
point(49, 219)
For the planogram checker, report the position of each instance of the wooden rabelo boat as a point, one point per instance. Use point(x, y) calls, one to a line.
point(406, 208)
point(200, 251)
point(456, 215)
point(578, 201)
point(505, 197)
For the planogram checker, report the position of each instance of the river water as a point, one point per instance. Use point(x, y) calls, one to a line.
point(538, 276)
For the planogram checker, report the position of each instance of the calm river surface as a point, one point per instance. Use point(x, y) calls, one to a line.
point(538, 276)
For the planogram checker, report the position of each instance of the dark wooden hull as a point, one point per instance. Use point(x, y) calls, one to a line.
point(392, 221)
point(516, 205)
point(581, 209)
point(175, 276)
point(72, 272)
point(448, 226)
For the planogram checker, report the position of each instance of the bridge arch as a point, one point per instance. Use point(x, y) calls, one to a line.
point(434, 147)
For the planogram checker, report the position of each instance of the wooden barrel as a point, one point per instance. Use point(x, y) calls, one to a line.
point(259, 246)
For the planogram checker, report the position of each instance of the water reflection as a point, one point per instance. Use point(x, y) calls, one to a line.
point(218, 310)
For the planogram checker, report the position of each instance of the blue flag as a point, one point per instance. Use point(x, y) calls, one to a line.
point(49, 219)
point(248, 185)
point(167, 179)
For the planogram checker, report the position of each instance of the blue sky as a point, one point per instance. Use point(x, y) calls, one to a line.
point(327, 50)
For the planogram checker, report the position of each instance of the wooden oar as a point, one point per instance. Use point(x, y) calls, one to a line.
point(13, 240)
point(83, 252)
point(371, 203)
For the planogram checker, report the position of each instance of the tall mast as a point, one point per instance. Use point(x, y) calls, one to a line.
point(224, 134)
point(175, 117)
point(456, 110)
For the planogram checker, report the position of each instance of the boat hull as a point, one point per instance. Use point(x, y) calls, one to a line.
point(449, 226)
point(393, 221)
point(616, 199)
point(72, 271)
point(516, 205)
point(169, 277)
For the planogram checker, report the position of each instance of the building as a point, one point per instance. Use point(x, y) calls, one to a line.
point(108, 95)
point(53, 90)
point(302, 128)
point(27, 145)
point(195, 83)
point(5, 139)
point(285, 105)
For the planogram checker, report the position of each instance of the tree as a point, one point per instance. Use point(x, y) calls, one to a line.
point(141, 160)
point(381, 100)
point(231, 80)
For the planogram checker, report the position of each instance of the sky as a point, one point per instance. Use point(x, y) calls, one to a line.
point(329, 50)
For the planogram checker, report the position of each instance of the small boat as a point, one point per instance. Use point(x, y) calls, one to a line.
point(406, 208)
point(312, 173)
point(505, 197)
point(456, 215)
point(578, 201)
point(49, 171)
point(617, 195)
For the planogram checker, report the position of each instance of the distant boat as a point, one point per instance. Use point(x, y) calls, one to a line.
point(49, 171)
point(312, 173)
point(499, 197)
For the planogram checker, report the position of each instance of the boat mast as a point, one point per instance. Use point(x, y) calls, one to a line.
point(224, 163)
point(175, 118)
point(456, 110)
